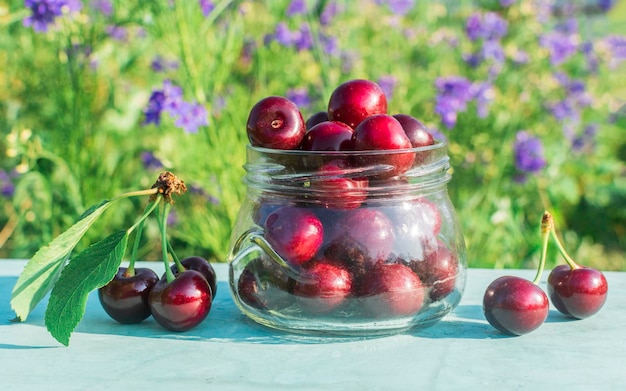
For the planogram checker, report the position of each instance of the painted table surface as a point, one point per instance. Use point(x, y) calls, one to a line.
point(229, 352)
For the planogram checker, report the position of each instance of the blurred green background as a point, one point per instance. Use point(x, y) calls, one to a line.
point(97, 97)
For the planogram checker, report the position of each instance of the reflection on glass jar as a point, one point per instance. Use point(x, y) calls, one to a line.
point(347, 243)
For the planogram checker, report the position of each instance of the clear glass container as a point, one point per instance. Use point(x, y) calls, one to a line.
point(347, 243)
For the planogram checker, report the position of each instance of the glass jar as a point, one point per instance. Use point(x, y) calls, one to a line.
point(347, 243)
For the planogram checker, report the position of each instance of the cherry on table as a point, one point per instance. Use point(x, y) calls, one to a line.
point(125, 297)
point(578, 292)
point(183, 303)
point(204, 267)
point(515, 305)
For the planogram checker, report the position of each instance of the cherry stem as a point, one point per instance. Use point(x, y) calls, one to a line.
point(179, 265)
point(139, 226)
point(572, 264)
point(136, 193)
point(169, 275)
point(547, 225)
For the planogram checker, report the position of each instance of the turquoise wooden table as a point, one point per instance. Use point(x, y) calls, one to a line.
point(229, 352)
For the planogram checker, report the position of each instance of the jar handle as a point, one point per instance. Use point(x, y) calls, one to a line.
point(255, 235)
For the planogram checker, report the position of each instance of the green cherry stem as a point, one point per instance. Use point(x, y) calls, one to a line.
point(169, 275)
point(179, 265)
point(572, 264)
point(547, 225)
point(139, 224)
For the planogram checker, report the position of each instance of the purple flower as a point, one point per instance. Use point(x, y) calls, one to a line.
point(454, 92)
point(173, 97)
point(297, 7)
point(577, 98)
point(483, 95)
point(562, 42)
point(198, 190)
point(488, 26)
point(507, 3)
point(45, 12)
point(329, 44)
point(283, 35)
point(585, 141)
point(190, 116)
point(299, 96)
point(605, 5)
point(7, 188)
point(206, 6)
point(150, 161)
point(303, 39)
point(590, 56)
point(154, 108)
point(118, 33)
point(105, 7)
point(328, 14)
point(387, 83)
point(528, 153)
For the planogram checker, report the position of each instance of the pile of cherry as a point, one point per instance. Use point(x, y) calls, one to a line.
point(517, 306)
point(178, 305)
point(345, 252)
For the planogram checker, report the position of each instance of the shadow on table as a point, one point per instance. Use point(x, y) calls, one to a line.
point(227, 324)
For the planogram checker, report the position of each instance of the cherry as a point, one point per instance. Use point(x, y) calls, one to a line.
point(383, 132)
point(335, 189)
point(322, 286)
point(275, 122)
point(360, 238)
point(204, 267)
point(295, 233)
point(578, 292)
point(514, 305)
point(390, 290)
point(437, 271)
point(320, 116)
point(125, 297)
point(417, 224)
point(415, 130)
point(183, 303)
point(355, 100)
point(328, 136)
point(575, 290)
point(265, 285)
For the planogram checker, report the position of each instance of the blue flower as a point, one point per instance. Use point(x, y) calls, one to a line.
point(190, 116)
point(7, 188)
point(154, 108)
point(562, 42)
point(586, 141)
point(488, 26)
point(328, 14)
point(528, 153)
point(45, 12)
point(187, 115)
point(117, 33)
point(283, 35)
point(150, 161)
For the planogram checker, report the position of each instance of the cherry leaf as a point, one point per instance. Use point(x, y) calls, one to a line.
point(89, 270)
point(43, 269)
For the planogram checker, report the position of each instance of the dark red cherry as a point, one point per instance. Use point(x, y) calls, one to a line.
point(204, 267)
point(125, 297)
point(355, 100)
point(515, 305)
point(183, 303)
point(335, 187)
point(328, 136)
point(320, 116)
point(416, 131)
point(275, 122)
point(263, 284)
point(579, 292)
point(322, 286)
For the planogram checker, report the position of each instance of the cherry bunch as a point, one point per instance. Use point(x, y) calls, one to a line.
point(517, 306)
point(178, 301)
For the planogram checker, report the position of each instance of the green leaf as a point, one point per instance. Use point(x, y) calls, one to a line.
point(44, 268)
point(89, 270)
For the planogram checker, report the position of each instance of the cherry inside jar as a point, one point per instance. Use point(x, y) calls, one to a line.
point(347, 243)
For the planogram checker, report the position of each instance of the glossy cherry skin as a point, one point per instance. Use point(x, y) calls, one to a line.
point(328, 136)
point(320, 116)
point(294, 233)
point(204, 267)
point(515, 305)
point(333, 188)
point(275, 122)
point(182, 304)
point(125, 298)
point(353, 101)
point(383, 132)
point(322, 286)
point(579, 292)
point(415, 130)
point(391, 290)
